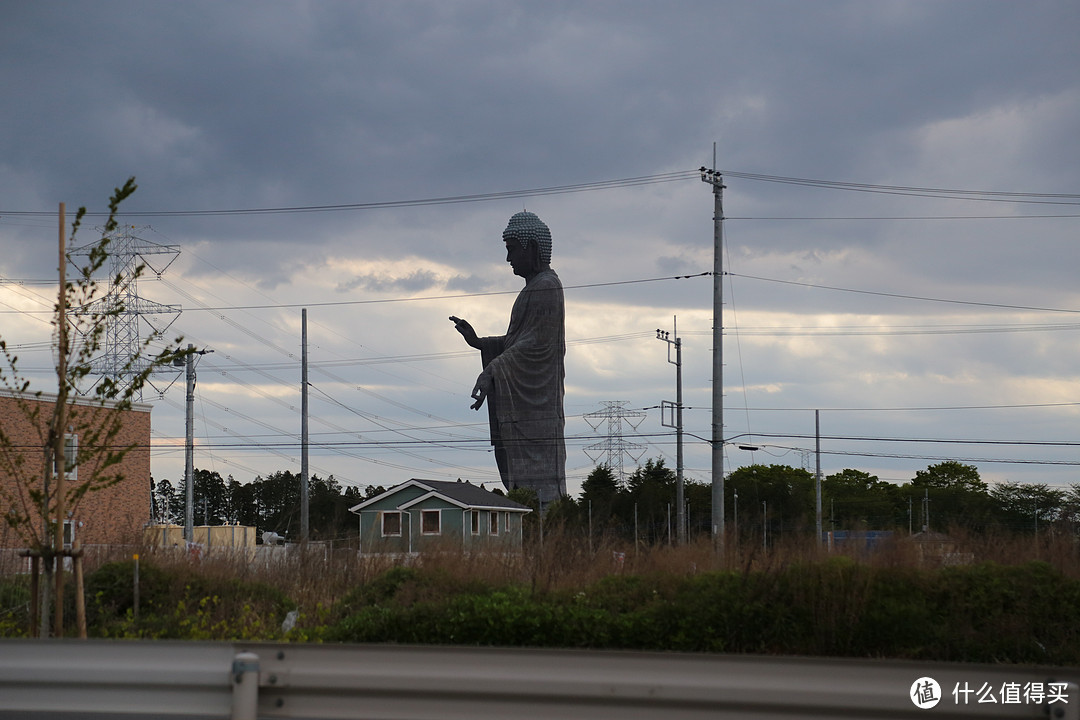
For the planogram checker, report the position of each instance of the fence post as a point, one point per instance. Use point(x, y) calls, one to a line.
point(135, 589)
point(80, 592)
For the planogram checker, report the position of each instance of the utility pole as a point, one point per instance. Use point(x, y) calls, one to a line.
point(303, 431)
point(189, 444)
point(926, 510)
point(764, 525)
point(716, 180)
point(59, 444)
point(817, 433)
point(680, 513)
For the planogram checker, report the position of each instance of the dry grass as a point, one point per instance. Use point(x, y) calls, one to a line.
point(566, 560)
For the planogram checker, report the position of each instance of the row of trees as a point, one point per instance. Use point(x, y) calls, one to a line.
point(269, 504)
point(783, 499)
point(778, 499)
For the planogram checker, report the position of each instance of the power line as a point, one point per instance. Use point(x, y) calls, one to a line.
point(279, 306)
point(903, 296)
point(801, 218)
point(449, 200)
point(936, 458)
point(930, 192)
point(1019, 406)
point(1039, 443)
point(675, 176)
point(868, 330)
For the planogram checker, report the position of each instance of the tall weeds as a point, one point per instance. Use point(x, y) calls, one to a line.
point(964, 596)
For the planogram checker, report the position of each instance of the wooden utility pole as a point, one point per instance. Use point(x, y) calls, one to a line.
point(304, 477)
point(189, 445)
point(59, 454)
point(817, 475)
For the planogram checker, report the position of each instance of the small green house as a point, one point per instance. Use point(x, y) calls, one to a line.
point(429, 515)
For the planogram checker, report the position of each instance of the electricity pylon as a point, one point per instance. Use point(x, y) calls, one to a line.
point(614, 446)
point(127, 253)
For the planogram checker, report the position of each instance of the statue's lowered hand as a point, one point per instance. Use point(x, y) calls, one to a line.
point(481, 390)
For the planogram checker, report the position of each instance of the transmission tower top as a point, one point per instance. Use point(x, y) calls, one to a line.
point(128, 254)
point(614, 413)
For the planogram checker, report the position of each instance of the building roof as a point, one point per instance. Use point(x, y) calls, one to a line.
point(73, 399)
point(462, 494)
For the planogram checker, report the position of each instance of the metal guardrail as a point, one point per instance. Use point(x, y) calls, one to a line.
point(235, 681)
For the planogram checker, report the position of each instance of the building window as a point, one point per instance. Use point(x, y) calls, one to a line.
point(71, 458)
point(506, 521)
point(69, 532)
point(475, 517)
point(430, 522)
point(391, 524)
point(493, 522)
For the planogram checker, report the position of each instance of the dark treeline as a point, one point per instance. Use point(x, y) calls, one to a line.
point(771, 500)
point(782, 500)
point(269, 504)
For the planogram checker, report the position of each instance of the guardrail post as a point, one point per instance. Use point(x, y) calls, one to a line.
point(245, 682)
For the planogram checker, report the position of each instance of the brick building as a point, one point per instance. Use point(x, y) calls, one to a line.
point(113, 514)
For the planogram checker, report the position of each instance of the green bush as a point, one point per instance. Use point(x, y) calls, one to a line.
point(983, 613)
point(1024, 614)
point(986, 613)
point(14, 606)
point(179, 603)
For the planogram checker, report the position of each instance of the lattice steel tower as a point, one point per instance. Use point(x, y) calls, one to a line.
point(614, 446)
point(123, 339)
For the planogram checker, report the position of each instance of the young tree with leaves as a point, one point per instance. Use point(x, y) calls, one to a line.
point(36, 499)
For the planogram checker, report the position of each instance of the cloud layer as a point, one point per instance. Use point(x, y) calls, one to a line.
point(900, 310)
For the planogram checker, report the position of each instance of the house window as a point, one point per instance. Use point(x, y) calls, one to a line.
point(430, 522)
point(391, 524)
point(506, 521)
point(475, 517)
point(493, 523)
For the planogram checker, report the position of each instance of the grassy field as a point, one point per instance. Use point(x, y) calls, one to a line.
point(1011, 599)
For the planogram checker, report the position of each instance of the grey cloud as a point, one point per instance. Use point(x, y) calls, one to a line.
point(413, 282)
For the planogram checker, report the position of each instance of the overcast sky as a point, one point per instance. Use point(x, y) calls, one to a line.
point(903, 312)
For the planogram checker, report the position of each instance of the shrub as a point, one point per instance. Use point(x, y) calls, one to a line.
point(179, 603)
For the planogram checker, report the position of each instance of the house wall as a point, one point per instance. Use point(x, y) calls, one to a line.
point(449, 537)
point(109, 515)
point(484, 540)
point(455, 526)
point(372, 540)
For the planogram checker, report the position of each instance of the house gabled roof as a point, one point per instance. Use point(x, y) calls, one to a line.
point(462, 494)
